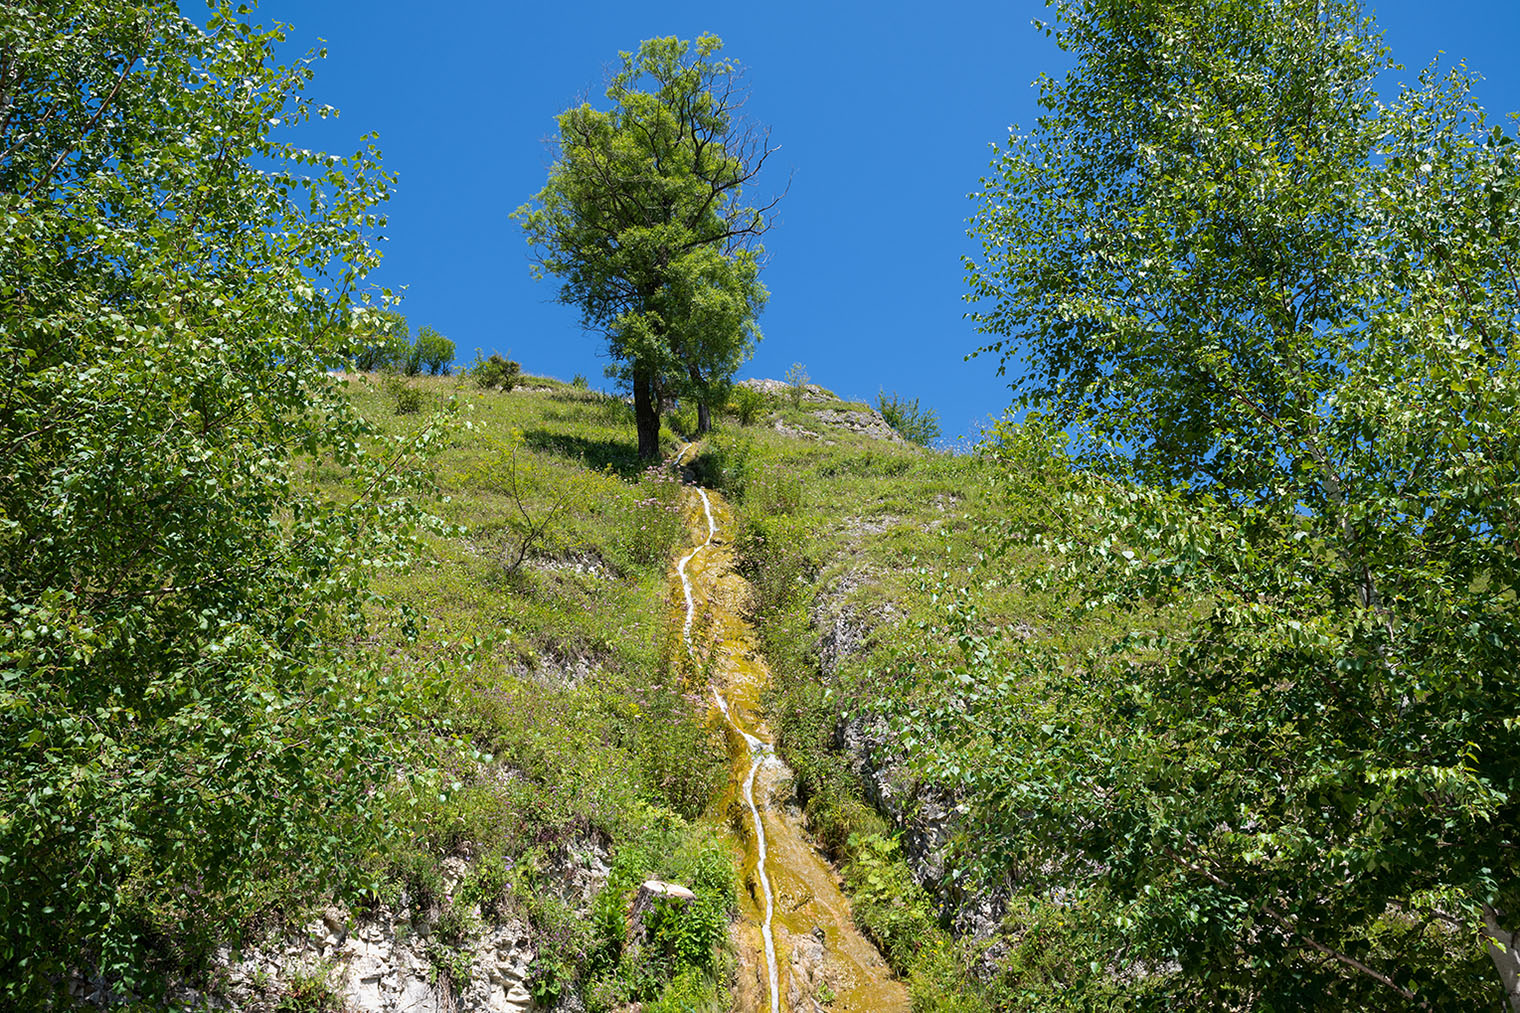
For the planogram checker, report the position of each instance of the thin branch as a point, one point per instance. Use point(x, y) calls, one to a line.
point(1290, 925)
point(535, 531)
point(94, 120)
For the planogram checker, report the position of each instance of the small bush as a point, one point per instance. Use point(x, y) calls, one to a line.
point(609, 929)
point(684, 418)
point(691, 991)
point(613, 411)
point(746, 404)
point(914, 424)
point(687, 934)
point(798, 378)
point(495, 372)
point(723, 465)
point(310, 990)
point(489, 885)
point(890, 905)
point(681, 758)
point(579, 382)
point(658, 529)
point(405, 399)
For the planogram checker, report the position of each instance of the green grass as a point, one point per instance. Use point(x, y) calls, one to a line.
point(543, 598)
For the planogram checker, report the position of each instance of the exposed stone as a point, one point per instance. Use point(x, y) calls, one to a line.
point(926, 815)
point(866, 423)
point(383, 963)
point(789, 430)
point(806, 972)
point(811, 392)
point(584, 563)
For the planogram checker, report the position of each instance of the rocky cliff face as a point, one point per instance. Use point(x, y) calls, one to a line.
point(385, 961)
point(382, 965)
point(926, 815)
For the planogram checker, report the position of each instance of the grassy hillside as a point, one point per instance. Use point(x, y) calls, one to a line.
point(844, 536)
point(560, 758)
point(544, 599)
point(878, 567)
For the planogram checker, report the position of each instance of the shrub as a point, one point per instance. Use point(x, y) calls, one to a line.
point(745, 404)
point(797, 376)
point(494, 372)
point(310, 990)
point(893, 908)
point(651, 536)
point(723, 465)
point(684, 418)
point(913, 423)
point(681, 760)
point(405, 399)
point(690, 991)
point(579, 382)
point(687, 934)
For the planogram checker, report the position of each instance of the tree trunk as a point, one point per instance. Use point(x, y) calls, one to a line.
point(704, 414)
point(1504, 950)
point(646, 414)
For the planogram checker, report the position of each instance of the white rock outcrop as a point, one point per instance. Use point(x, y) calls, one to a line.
point(381, 965)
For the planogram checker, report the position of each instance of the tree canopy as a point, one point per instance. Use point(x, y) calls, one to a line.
point(186, 724)
point(1264, 324)
point(645, 220)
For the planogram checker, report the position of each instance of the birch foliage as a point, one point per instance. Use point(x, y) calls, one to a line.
point(188, 732)
point(1265, 323)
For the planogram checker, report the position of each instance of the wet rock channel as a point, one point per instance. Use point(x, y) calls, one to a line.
point(799, 947)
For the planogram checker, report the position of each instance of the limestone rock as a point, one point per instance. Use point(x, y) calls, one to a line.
point(805, 972)
point(811, 392)
point(866, 423)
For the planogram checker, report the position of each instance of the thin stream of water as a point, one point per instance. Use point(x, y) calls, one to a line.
point(760, 751)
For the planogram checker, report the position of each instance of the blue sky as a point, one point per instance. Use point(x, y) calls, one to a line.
point(884, 113)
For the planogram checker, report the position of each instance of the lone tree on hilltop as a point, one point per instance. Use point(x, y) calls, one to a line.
point(645, 222)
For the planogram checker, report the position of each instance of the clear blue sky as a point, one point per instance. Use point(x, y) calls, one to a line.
point(883, 110)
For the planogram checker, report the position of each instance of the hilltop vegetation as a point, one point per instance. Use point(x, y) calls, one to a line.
point(645, 221)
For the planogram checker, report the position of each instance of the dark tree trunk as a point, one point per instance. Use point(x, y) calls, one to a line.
point(646, 414)
point(704, 415)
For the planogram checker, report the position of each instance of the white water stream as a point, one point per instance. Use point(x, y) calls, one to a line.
point(759, 750)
